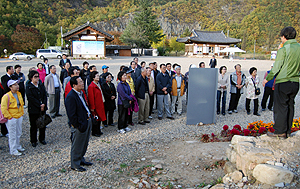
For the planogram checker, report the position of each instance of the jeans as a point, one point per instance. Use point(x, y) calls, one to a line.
point(219, 93)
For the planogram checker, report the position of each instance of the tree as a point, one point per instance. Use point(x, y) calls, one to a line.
point(27, 39)
point(5, 43)
point(175, 46)
point(144, 29)
point(186, 33)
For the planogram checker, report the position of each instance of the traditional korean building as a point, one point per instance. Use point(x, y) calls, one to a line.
point(88, 41)
point(207, 42)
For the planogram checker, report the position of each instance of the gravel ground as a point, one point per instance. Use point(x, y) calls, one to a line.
point(48, 166)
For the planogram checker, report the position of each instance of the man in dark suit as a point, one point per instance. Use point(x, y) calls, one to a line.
point(63, 61)
point(81, 123)
point(213, 62)
point(8, 76)
point(136, 71)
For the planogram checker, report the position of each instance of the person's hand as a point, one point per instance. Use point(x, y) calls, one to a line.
point(42, 107)
point(151, 93)
point(113, 97)
point(130, 102)
point(164, 89)
point(264, 82)
point(166, 92)
point(92, 110)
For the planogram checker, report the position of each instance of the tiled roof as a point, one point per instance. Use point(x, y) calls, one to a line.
point(84, 26)
point(213, 37)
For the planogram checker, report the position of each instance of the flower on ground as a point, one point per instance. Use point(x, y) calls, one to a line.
point(238, 127)
point(251, 127)
point(213, 135)
point(262, 130)
point(235, 132)
point(246, 132)
point(225, 127)
point(271, 129)
point(253, 132)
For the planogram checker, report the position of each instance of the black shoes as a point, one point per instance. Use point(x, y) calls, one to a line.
point(146, 121)
point(52, 117)
point(171, 118)
point(43, 142)
point(248, 113)
point(284, 135)
point(79, 169)
point(58, 115)
point(86, 163)
point(97, 135)
point(257, 114)
point(111, 124)
point(159, 118)
point(218, 113)
point(142, 123)
point(34, 144)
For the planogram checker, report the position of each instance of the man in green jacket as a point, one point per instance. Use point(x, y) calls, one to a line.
point(286, 70)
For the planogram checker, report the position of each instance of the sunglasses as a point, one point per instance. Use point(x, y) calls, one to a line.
point(36, 76)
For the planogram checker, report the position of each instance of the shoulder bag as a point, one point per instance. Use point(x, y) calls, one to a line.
point(257, 89)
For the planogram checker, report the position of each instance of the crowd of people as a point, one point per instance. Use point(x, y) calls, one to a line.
point(90, 98)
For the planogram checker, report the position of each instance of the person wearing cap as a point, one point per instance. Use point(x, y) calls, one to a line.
point(37, 106)
point(63, 61)
point(142, 93)
point(104, 70)
point(12, 108)
point(178, 90)
point(268, 92)
point(130, 82)
point(53, 88)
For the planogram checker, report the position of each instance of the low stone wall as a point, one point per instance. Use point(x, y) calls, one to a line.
point(263, 158)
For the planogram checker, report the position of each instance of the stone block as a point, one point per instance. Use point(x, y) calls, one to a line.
point(236, 176)
point(218, 186)
point(233, 156)
point(229, 167)
point(259, 155)
point(244, 147)
point(237, 138)
point(270, 174)
point(295, 134)
point(228, 152)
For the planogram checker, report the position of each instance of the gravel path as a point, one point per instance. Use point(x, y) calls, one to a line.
point(48, 166)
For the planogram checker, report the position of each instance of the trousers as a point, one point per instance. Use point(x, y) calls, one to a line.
point(268, 92)
point(255, 105)
point(123, 117)
point(14, 127)
point(219, 94)
point(163, 103)
point(234, 100)
point(33, 129)
point(177, 98)
point(54, 102)
point(144, 107)
point(284, 100)
point(79, 146)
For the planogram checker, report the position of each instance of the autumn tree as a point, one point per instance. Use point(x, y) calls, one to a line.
point(5, 43)
point(176, 46)
point(27, 39)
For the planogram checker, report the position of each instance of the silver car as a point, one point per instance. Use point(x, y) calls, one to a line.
point(21, 56)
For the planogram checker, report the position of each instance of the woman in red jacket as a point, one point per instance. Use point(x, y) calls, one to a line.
point(96, 105)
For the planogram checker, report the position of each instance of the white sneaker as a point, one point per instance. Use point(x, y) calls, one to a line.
point(21, 149)
point(127, 129)
point(150, 117)
point(122, 131)
point(16, 154)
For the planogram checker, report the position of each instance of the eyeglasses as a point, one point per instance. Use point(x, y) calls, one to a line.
point(36, 76)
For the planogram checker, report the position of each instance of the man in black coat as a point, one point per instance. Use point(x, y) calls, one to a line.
point(8, 76)
point(63, 61)
point(81, 123)
point(136, 71)
point(142, 94)
point(213, 62)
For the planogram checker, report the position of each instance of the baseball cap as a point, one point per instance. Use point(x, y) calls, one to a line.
point(104, 67)
point(11, 82)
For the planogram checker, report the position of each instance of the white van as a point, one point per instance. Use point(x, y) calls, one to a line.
point(48, 53)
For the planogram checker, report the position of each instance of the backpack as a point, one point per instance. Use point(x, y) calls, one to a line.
point(2, 118)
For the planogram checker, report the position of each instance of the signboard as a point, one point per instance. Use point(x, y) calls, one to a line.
point(273, 54)
point(202, 95)
point(88, 47)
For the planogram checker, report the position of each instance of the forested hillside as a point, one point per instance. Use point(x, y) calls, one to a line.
point(259, 20)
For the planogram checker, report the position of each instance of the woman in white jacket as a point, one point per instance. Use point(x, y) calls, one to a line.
point(252, 82)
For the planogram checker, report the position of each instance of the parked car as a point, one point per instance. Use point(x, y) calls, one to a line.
point(21, 56)
point(48, 53)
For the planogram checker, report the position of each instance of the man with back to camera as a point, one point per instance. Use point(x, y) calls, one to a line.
point(81, 124)
point(286, 69)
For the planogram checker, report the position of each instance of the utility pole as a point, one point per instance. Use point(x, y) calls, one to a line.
point(254, 49)
point(62, 42)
